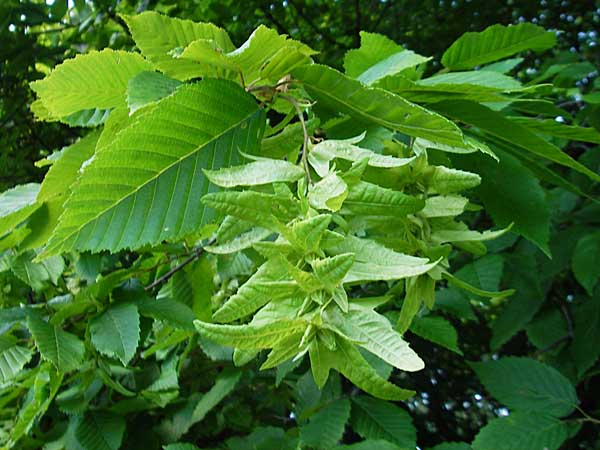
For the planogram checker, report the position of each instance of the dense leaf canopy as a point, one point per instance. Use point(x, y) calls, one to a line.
point(303, 224)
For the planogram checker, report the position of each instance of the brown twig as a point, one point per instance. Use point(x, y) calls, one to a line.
point(195, 255)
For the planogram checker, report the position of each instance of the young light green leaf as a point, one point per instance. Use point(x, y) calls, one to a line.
point(324, 152)
point(373, 261)
point(370, 199)
point(92, 80)
point(442, 180)
point(527, 385)
point(116, 332)
point(270, 282)
point(377, 419)
point(347, 360)
point(375, 333)
point(331, 271)
point(255, 207)
point(250, 336)
point(128, 186)
point(494, 43)
point(264, 171)
point(328, 193)
point(440, 236)
point(241, 242)
point(283, 351)
point(335, 91)
point(475, 290)
point(444, 206)
point(64, 350)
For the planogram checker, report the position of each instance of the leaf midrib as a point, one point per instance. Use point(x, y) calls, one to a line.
point(135, 191)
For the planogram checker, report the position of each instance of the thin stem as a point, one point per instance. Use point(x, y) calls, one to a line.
point(305, 140)
point(587, 417)
point(195, 255)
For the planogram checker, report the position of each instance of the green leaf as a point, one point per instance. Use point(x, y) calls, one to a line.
point(343, 95)
point(149, 87)
point(100, 430)
point(376, 419)
point(250, 336)
point(326, 427)
point(173, 312)
point(264, 171)
point(64, 350)
point(180, 446)
point(283, 351)
point(254, 207)
point(347, 360)
point(374, 332)
point(328, 193)
point(504, 66)
point(473, 79)
point(145, 186)
point(331, 271)
point(44, 387)
point(524, 304)
point(93, 80)
point(586, 345)
point(266, 55)
point(522, 431)
point(116, 332)
point(522, 201)
point(66, 169)
point(444, 206)
point(16, 205)
point(36, 275)
point(12, 358)
point(528, 385)
point(560, 130)
point(373, 261)
point(369, 199)
point(224, 385)
point(437, 330)
point(241, 242)
point(442, 180)
point(270, 282)
point(378, 57)
point(158, 37)
point(584, 264)
point(494, 43)
point(324, 152)
point(510, 132)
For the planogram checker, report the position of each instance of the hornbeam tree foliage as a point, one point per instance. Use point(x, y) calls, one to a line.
point(242, 250)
